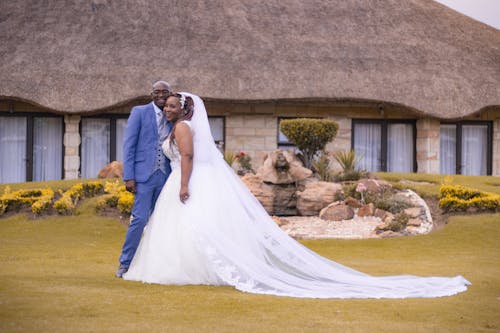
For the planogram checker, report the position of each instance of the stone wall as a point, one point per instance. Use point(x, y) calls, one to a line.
point(496, 148)
point(254, 134)
point(71, 147)
point(342, 141)
point(427, 145)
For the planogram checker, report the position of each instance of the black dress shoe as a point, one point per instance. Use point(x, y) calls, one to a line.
point(121, 270)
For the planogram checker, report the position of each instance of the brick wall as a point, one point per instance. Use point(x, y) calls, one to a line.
point(427, 145)
point(71, 147)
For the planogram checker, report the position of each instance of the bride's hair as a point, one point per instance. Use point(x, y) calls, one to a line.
point(187, 108)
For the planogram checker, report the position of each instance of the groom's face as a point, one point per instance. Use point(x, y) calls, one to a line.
point(160, 93)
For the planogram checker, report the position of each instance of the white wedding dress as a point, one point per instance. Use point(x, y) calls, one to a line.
point(223, 236)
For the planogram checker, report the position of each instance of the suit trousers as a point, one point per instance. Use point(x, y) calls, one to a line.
point(144, 202)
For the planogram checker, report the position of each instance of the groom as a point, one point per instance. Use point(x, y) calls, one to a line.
point(145, 167)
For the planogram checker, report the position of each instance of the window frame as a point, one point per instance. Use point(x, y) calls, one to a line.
point(112, 134)
point(218, 142)
point(458, 138)
point(383, 141)
point(30, 138)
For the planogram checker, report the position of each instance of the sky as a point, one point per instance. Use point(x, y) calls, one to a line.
point(486, 11)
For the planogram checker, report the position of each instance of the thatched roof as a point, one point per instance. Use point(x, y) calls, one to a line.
point(80, 56)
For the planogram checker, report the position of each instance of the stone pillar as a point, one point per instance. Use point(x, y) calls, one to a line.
point(256, 135)
point(496, 148)
point(342, 141)
point(71, 143)
point(428, 145)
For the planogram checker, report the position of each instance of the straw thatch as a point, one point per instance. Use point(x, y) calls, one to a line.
point(80, 56)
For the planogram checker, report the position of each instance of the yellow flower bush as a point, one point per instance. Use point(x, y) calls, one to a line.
point(459, 198)
point(38, 199)
point(69, 199)
point(44, 201)
point(117, 196)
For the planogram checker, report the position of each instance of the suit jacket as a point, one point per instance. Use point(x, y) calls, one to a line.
point(140, 143)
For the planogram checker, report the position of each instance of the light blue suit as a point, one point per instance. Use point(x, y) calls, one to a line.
point(141, 156)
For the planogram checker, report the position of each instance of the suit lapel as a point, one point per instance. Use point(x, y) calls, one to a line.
point(152, 118)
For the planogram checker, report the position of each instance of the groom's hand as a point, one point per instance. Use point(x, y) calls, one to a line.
point(130, 185)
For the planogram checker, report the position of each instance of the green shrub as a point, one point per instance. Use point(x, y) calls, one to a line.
point(310, 136)
point(348, 162)
point(399, 222)
point(229, 157)
point(322, 168)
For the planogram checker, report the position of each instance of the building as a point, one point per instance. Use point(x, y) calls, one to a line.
point(414, 85)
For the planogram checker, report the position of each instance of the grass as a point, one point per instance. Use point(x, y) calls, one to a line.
point(482, 183)
point(57, 275)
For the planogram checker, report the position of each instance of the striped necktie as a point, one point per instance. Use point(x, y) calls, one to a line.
point(162, 129)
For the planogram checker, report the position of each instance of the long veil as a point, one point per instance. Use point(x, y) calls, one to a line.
point(249, 251)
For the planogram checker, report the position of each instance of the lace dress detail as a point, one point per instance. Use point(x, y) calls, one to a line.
point(171, 150)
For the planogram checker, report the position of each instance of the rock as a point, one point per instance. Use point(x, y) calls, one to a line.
point(388, 234)
point(414, 222)
point(352, 202)
point(315, 196)
point(366, 210)
point(263, 192)
point(112, 170)
point(373, 185)
point(413, 212)
point(280, 221)
point(337, 211)
point(380, 213)
point(388, 218)
point(283, 167)
point(276, 199)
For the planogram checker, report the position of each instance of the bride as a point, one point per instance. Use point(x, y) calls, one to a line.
point(207, 228)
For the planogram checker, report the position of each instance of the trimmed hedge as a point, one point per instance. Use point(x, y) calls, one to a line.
point(454, 198)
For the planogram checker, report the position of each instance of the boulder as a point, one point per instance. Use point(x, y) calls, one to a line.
point(380, 213)
point(366, 210)
point(283, 167)
point(315, 196)
point(374, 185)
point(276, 199)
point(352, 202)
point(263, 192)
point(337, 211)
point(112, 170)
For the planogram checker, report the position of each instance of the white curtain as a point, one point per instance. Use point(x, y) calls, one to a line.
point(400, 148)
point(47, 148)
point(120, 134)
point(367, 146)
point(474, 149)
point(448, 149)
point(217, 129)
point(12, 149)
point(95, 146)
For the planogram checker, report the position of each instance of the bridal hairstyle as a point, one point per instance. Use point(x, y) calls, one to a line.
point(187, 111)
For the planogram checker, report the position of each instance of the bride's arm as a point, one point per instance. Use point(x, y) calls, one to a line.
point(184, 140)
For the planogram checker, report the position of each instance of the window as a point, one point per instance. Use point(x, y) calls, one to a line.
point(31, 148)
point(283, 141)
point(385, 145)
point(217, 125)
point(102, 142)
point(465, 148)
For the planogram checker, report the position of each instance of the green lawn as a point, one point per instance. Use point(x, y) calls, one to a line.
point(57, 275)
